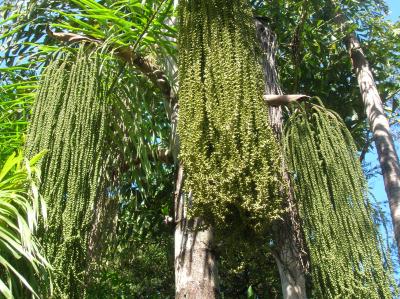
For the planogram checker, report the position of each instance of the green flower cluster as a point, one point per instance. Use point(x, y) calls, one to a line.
point(230, 155)
point(69, 120)
point(331, 193)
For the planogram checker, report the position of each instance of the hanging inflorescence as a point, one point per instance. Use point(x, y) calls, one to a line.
point(343, 242)
point(230, 155)
point(69, 119)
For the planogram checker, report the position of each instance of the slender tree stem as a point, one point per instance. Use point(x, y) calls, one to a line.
point(378, 122)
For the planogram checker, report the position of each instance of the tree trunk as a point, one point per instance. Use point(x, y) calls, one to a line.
point(288, 254)
point(379, 125)
point(290, 271)
point(195, 266)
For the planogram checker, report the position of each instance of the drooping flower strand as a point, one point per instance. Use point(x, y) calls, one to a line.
point(69, 120)
point(230, 155)
point(343, 242)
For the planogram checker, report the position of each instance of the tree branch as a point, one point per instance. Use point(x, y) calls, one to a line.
point(71, 37)
point(278, 100)
point(366, 148)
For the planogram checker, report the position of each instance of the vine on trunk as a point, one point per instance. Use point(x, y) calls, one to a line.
point(229, 152)
point(331, 192)
point(69, 119)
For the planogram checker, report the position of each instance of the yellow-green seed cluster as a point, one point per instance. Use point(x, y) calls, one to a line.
point(343, 242)
point(230, 156)
point(69, 120)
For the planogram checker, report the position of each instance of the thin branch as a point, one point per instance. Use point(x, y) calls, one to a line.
point(148, 25)
point(165, 155)
point(366, 148)
point(178, 206)
point(393, 94)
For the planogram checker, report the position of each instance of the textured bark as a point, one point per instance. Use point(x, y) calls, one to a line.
point(292, 276)
point(194, 262)
point(379, 125)
point(195, 266)
point(289, 245)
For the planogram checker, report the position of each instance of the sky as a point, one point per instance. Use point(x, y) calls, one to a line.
point(394, 6)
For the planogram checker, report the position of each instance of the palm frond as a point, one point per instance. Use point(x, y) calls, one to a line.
point(20, 207)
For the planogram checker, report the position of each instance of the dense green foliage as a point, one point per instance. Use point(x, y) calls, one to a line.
point(230, 155)
point(22, 264)
point(330, 189)
point(248, 270)
point(137, 256)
